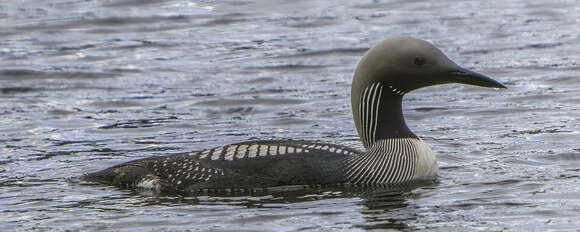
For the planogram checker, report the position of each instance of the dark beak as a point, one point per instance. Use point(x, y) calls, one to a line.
point(465, 76)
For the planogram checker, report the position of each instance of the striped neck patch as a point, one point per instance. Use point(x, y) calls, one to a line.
point(389, 161)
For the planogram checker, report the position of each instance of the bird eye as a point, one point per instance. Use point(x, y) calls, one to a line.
point(419, 60)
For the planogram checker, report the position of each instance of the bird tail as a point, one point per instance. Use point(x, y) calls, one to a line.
point(124, 175)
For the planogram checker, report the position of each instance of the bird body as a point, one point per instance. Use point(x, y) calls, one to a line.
point(393, 154)
point(246, 164)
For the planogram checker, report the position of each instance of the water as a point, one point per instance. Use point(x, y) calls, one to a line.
point(88, 84)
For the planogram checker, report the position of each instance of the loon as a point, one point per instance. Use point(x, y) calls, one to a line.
point(394, 154)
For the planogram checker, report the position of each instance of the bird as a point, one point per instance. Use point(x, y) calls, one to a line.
point(392, 153)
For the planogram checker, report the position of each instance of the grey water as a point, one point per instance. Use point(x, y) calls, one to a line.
point(86, 84)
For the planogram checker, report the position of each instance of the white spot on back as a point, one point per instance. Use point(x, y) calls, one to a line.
point(273, 150)
point(217, 153)
point(149, 182)
point(230, 152)
point(204, 154)
point(253, 151)
point(282, 150)
point(263, 150)
point(242, 151)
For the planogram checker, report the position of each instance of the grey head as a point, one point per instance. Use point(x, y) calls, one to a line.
point(393, 68)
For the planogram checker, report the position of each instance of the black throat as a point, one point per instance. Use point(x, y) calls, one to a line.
point(380, 114)
point(391, 123)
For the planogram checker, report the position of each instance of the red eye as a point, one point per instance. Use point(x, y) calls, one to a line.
point(419, 60)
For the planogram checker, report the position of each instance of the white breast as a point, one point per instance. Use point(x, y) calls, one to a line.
point(426, 161)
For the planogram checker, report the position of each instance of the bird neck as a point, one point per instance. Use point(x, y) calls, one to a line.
point(394, 160)
point(378, 113)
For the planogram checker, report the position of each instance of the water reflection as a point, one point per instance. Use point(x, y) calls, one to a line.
point(88, 84)
point(384, 206)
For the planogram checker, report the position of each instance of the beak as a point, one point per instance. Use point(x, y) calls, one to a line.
point(465, 76)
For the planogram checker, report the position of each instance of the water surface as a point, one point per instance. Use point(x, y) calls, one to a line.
point(88, 84)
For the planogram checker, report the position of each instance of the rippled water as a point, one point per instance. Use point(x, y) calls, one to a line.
point(87, 84)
